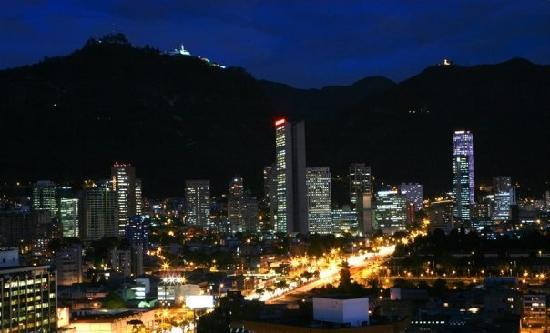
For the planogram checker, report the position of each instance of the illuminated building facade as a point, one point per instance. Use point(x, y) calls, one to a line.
point(44, 196)
point(463, 174)
point(390, 213)
point(344, 220)
point(318, 184)
point(197, 197)
point(290, 173)
point(361, 182)
point(235, 204)
point(68, 216)
point(28, 299)
point(98, 211)
point(503, 198)
point(124, 184)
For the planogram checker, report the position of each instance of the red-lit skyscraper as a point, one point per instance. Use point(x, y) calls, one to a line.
point(290, 174)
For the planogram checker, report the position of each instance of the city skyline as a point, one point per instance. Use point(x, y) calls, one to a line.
point(167, 167)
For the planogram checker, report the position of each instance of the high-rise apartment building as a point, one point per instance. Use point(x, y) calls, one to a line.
point(28, 297)
point(44, 196)
point(318, 185)
point(390, 213)
point(197, 197)
point(503, 199)
point(290, 173)
point(125, 185)
point(463, 174)
point(235, 199)
point(98, 211)
point(361, 182)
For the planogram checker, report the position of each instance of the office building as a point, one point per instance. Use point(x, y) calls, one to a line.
point(290, 172)
point(440, 214)
point(414, 194)
point(503, 199)
point(318, 185)
point(463, 175)
point(98, 211)
point(250, 214)
point(235, 199)
point(197, 197)
point(124, 184)
point(68, 264)
point(270, 192)
point(365, 209)
point(43, 196)
point(344, 220)
point(390, 213)
point(139, 198)
point(361, 182)
point(68, 216)
point(28, 299)
point(21, 226)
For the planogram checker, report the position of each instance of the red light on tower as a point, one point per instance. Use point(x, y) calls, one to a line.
point(280, 122)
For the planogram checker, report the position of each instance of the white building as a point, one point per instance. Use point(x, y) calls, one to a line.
point(352, 311)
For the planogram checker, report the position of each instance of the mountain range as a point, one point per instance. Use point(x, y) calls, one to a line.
point(180, 117)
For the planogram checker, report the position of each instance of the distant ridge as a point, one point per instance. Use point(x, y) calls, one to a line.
point(177, 117)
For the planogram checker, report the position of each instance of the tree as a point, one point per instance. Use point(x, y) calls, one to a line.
point(345, 276)
point(113, 301)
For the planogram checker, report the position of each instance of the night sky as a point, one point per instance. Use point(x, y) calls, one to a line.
point(304, 43)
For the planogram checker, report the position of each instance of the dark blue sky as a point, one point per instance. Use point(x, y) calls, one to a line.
point(306, 43)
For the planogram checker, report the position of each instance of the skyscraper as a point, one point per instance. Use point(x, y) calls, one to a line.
point(235, 204)
point(318, 184)
point(68, 216)
point(390, 213)
point(98, 211)
point(360, 182)
point(463, 174)
point(197, 197)
point(67, 211)
point(290, 171)
point(503, 198)
point(43, 196)
point(124, 183)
